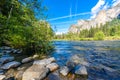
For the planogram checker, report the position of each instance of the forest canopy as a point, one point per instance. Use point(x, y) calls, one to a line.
point(23, 26)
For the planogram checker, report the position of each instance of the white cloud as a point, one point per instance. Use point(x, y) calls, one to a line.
point(97, 8)
point(115, 2)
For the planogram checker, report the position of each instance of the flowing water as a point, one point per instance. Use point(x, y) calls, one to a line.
point(106, 53)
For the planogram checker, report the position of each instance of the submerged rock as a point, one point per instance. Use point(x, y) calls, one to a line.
point(70, 65)
point(35, 72)
point(5, 48)
point(6, 59)
point(1, 72)
point(54, 76)
point(52, 66)
point(19, 51)
point(64, 71)
point(25, 60)
point(9, 65)
point(8, 51)
point(81, 70)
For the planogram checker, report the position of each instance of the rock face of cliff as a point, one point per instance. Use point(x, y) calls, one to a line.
point(102, 17)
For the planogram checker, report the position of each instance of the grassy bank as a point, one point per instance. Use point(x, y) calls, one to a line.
point(89, 39)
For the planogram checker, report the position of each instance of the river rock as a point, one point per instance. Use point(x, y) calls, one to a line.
point(52, 59)
point(64, 70)
point(54, 76)
point(19, 51)
point(35, 72)
point(8, 51)
point(81, 70)
point(2, 77)
point(78, 60)
point(15, 51)
point(21, 69)
point(44, 61)
point(52, 66)
point(27, 60)
point(70, 64)
point(35, 56)
point(5, 48)
point(9, 65)
point(19, 75)
point(6, 59)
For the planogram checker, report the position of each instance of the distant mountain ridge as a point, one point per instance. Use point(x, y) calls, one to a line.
point(102, 17)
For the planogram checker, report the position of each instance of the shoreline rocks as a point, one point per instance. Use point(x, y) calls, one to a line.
point(9, 65)
point(64, 70)
point(26, 60)
point(44, 61)
point(6, 59)
point(52, 66)
point(40, 69)
point(35, 72)
point(81, 70)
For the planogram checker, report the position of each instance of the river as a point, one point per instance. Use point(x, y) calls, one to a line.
point(96, 53)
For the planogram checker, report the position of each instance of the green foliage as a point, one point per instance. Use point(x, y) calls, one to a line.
point(99, 36)
point(19, 27)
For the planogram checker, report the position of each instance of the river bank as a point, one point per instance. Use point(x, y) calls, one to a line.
point(12, 68)
point(110, 38)
point(70, 60)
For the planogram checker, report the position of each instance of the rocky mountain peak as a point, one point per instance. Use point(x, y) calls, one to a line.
point(102, 17)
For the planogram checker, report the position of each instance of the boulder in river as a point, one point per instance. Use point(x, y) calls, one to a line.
point(44, 61)
point(78, 60)
point(25, 60)
point(35, 72)
point(52, 66)
point(64, 70)
point(81, 70)
point(9, 65)
point(6, 59)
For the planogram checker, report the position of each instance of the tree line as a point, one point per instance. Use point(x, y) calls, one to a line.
point(95, 33)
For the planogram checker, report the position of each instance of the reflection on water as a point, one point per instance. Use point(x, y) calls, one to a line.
point(106, 53)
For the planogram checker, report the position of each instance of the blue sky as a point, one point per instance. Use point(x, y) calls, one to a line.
point(63, 13)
